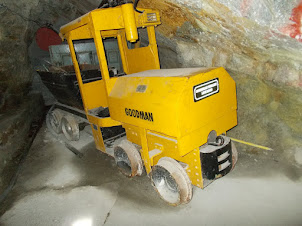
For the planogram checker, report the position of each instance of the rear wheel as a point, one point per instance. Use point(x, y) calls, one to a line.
point(171, 181)
point(128, 159)
point(70, 128)
point(55, 119)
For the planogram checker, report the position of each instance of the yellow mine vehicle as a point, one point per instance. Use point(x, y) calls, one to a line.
point(173, 121)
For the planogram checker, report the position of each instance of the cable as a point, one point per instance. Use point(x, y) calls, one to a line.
point(103, 4)
point(135, 5)
point(112, 3)
point(251, 144)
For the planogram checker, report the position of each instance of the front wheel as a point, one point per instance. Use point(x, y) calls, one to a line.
point(128, 159)
point(171, 181)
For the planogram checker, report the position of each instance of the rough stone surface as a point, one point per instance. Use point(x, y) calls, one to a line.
point(15, 132)
point(19, 21)
point(268, 115)
point(202, 30)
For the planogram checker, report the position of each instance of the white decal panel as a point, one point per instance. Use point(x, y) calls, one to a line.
point(206, 89)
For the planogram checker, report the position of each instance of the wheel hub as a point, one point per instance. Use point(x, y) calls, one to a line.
point(123, 161)
point(166, 185)
point(70, 128)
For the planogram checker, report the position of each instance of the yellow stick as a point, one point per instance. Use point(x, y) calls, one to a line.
point(251, 144)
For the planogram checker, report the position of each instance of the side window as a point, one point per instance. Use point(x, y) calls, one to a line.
point(113, 57)
point(143, 39)
point(88, 60)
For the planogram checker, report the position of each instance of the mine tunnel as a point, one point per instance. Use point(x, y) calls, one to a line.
point(150, 112)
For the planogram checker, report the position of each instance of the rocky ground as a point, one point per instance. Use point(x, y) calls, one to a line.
point(55, 187)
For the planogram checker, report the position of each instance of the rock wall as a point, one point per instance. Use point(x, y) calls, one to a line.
point(254, 41)
point(19, 107)
point(209, 33)
point(16, 133)
point(19, 21)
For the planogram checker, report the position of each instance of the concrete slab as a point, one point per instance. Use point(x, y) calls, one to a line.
point(60, 207)
point(58, 188)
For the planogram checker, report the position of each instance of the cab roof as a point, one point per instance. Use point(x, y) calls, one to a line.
point(111, 19)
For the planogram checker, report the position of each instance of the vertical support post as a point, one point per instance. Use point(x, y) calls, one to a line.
point(121, 40)
point(153, 44)
point(77, 69)
point(145, 150)
point(102, 58)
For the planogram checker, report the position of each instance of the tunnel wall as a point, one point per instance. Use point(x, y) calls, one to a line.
point(258, 42)
point(20, 104)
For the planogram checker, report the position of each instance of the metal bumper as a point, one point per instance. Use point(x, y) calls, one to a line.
point(216, 161)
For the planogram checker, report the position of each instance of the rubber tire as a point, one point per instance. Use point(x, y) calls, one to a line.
point(55, 119)
point(70, 121)
point(132, 158)
point(180, 176)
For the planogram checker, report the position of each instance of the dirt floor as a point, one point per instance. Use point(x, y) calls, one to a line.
point(56, 187)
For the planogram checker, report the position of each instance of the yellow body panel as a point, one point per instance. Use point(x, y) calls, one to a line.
point(159, 146)
point(97, 134)
point(170, 100)
point(158, 108)
point(98, 91)
point(103, 122)
point(179, 125)
point(133, 134)
point(141, 59)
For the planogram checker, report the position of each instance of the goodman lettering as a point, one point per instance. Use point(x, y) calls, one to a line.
point(148, 116)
